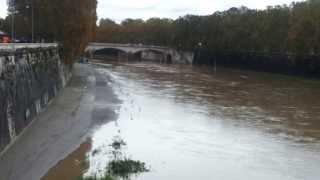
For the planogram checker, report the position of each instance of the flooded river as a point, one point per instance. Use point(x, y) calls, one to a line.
point(192, 123)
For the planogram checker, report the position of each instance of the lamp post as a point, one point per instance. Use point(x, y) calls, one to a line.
point(32, 20)
point(12, 26)
point(32, 9)
point(12, 12)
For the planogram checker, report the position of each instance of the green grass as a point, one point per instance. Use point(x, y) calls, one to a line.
point(126, 167)
point(107, 177)
point(120, 166)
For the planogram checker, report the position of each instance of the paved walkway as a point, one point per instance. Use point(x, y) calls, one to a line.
point(62, 127)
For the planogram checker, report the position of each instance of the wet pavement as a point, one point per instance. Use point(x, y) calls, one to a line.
point(184, 122)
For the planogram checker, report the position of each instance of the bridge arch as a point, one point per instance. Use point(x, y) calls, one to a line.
point(135, 51)
point(109, 53)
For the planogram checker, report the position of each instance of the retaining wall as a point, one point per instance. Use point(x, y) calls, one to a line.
point(307, 65)
point(29, 79)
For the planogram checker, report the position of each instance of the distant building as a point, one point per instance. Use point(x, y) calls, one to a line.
point(4, 37)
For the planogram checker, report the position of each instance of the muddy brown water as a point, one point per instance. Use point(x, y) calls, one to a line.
point(193, 123)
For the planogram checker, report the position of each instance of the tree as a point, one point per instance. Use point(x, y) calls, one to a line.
point(70, 22)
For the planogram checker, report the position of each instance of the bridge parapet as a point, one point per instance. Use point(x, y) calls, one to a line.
point(128, 45)
point(168, 54)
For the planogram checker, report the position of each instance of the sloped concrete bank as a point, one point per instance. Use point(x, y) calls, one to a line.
point(29, 79)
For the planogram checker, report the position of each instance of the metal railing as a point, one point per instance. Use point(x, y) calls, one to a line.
point(15, 46)
point(127, 45)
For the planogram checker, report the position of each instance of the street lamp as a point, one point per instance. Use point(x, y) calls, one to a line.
point(12, 26)
point(12, 11)
point(32, 20)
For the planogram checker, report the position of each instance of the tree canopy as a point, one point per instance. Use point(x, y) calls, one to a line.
point(293, 28)
point(69, 22)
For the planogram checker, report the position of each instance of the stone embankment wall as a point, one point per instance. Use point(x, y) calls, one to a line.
point(183, 57)
point(29, 79)
point(176, 57)
point(303, 65)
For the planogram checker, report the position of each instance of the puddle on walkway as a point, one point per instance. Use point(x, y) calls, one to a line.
point(71, 167)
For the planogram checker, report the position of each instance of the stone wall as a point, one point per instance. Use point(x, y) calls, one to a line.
point(182, 57)
point(303, 65)
point(29, 79)
point(153, 56)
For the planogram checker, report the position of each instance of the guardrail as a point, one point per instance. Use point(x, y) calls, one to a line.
point(127, 45)
point(15, 46)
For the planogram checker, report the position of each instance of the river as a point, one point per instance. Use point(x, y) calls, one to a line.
point(192, 123)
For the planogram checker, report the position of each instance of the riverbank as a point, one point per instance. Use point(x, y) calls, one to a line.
point(62, 127)
point(232, 124)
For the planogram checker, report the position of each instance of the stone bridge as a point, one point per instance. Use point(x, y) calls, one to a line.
point(138, 52)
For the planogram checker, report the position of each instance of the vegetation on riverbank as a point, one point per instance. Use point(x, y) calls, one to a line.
point(72, 23)
point(96, 178)
point(293, 28)
point(283, 39)
point(120, 166)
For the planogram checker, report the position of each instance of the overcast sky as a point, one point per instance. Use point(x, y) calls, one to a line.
point(121, 9)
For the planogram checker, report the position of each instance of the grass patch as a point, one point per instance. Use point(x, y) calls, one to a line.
point(126, 167)
point(120, 167)
point(107, 177)
point(118, 143)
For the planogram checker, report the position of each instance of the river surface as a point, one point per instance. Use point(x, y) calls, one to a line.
point(192, 123)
